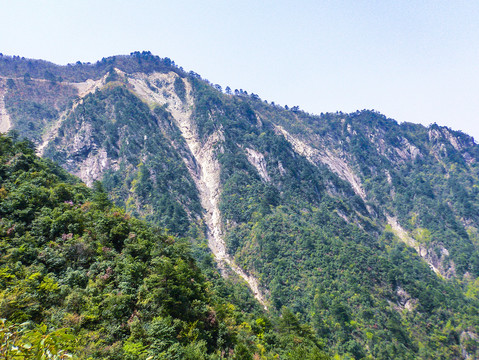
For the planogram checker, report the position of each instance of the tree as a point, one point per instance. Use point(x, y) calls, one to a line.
point(10, 83)
point(27, 78)
point(18, 342)
point(195, 75)
point(100, 196)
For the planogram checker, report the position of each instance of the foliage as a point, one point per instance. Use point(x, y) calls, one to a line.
point(15, 66)
point(80, 277)
point(293, 216)
point(34, 105)
point(180, 88)
point(158, 187)
point(320, 248)
point(19, 342)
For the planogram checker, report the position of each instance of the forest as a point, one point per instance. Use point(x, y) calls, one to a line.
point(362, 233)
point(80, 278)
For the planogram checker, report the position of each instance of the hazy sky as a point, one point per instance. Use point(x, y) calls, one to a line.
point(412, 60)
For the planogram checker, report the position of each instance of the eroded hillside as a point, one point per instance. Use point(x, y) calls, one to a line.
point(364, 227)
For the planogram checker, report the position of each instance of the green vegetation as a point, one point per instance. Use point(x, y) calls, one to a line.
point(321, 249)
point(150, 179)
point(180, 88)
point(80, 277)
point(430, 180)
point(17, 67)
point(331, 260)
point(33, 105)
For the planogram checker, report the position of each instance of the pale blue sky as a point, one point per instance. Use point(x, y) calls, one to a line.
point(411, 60)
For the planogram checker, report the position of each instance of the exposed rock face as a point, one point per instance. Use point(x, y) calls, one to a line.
point(89, 86)
point(88, 159)
point(94, 166)
point(304, 203)
point(5, 123)
point(203, 166)
point(207, 177)
point(469, 345)
point(437, 257)
point(257, 160)
point(84, 88)
point(315, 156)
point(405, 301)
point(440, 137)
point(95, 160)
point(407, 151)
point(206, 130)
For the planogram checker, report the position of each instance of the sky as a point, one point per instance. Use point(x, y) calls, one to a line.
point(413, 61)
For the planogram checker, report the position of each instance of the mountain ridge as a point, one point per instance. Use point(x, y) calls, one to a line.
point(289, 197)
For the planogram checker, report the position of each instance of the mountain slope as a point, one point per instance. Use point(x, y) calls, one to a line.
point(80, 277)
point(366, 228)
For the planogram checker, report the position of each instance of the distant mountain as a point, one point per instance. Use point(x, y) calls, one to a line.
point(365, 228)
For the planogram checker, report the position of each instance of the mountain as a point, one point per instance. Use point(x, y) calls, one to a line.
point(364, 228)
point(80, 278)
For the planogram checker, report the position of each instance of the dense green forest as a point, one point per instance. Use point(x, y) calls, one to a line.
point(362, 233)
point(81, 277)
point(326, 256)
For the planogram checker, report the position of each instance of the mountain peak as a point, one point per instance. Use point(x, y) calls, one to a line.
point(365, 228)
